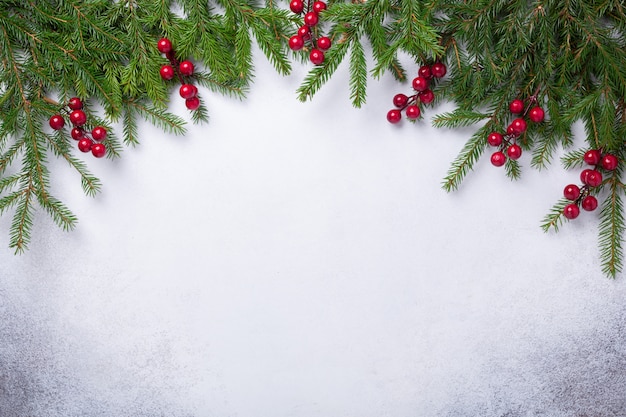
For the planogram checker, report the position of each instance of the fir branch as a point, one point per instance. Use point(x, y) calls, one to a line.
point(358, 75)
point(464, 162)
point(458, 118)
point(554, 219)
point(612, 229)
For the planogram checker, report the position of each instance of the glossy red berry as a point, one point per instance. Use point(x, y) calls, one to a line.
point(516, 106)
point(510, 130)
point(514, 151)
point(319, 6)
point(98, 133)
point(323, 43)
point(400, 100)
point(187, 91)
point(519, 125)
point(592, 157)
point(589, 203)
point(584, 174)
point(536, 114)
point(498, 159)
point(78, 117)
point(394, 116)
point(609, 162)
point(57, 122)
point(164, 45)
point(495, 139)
point(413, 112)
point(571, 211)
point(98, 150)
point(571, 192)
point(304, 32)
point(296, 6)
point(420, 83)
point(85, 144)
point(296, 43)
point(316, 56)
point(75, 103)
point(594, 178)
point(77, 133)
point(186, 68)
point(311, 19)
point(425, 72)
point(438, 69)
point(167, 72)
point(427, 96)
point(192, 103)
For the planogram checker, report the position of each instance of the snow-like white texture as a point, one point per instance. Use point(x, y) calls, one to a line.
point(301, 260)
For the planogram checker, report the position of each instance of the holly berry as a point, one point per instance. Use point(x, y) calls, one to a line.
point(438, 69)
point(589, 203)
point(609, 162)
point(516, 106)
point(425, 72)
point(77, 133)
point(584, 174)
point(192, 103)
point(85, 144)
point(536, 114)
point(518, 125)
point(164, 45)
point(427, 96)
point(394, 116)
point(498, 158)
point(187, 91)
point(413, 112)
point(75, 103)
point(420, 83)
point(495, 139)
point(323, 43)
point(594, 178)
point(57, 122)
point(167, 72)
point(400, 100)
point(78, 117)
point(316, 56)
point(186, 68)
point(296, 6)
point(311, 19)
point(592, 157)
point(319, 6)
point(98, 133)
point(571, 211)
point(514, 151)
point(296, 43)
point(510, 130)
point(98, 150)
point(571, 192)
point(304, 32)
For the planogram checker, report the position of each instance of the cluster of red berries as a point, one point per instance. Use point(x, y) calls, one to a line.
point(181, 69)
point(591, 178)
point(306, 34)
point(423, 94)
point(507, 142)
point(87, 141)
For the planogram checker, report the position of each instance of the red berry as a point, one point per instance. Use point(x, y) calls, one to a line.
point(589, 203)
point(516, 106)
point(594, 178)
point(519, 125)
point(192, 103)
point(167, 72)
point(187, 91)
point(75, 103)
point(296, 42)
point(536, 114)
point(413, 112)
point(316, 56)
point(77, 133)
point(427, 96)
point(296, 6)
point(304, 32)
point(311, 19)
point(323, 43)
point(98, 150)
point(164, 45)
point(57, 122)
point(584, 174)
point(571, 211)
point(84, 145)
point(78, 117)
point(319, 6)
point(592, 157)
point(186, 68)
point(571, 192)
point(609, 162)
point(498, 158)
point(98, 133)
point(425, 72)
point(514, 151)
point(510, 130)
point(438, 69)
point(394, 116)
point(420, 83)
point(495, 139)
point(400, 100)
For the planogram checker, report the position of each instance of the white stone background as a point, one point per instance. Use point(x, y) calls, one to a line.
point(301, 260)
